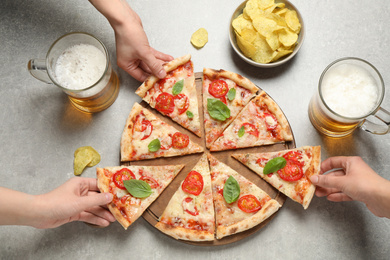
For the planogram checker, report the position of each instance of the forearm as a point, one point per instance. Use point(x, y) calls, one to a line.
point(382, 199)
point(16, 208)
point(117, 12)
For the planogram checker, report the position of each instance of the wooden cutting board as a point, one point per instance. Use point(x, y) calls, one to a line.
point(155, 210)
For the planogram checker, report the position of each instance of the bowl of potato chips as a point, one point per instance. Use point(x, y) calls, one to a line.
point(266, 33)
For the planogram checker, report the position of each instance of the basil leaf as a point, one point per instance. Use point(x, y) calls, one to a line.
point(274, 165)
point(154, 145)
point(231, 190)
point(138, 188)
point(241, 131)
point(178, 87)
point(217, 109)
point(231, 94)
point(189, 114)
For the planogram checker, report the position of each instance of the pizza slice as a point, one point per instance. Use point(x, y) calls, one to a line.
point(190, 212)
point(261, 122)
point(294, 178)
point(224, 95)
point(239, 204)
point(174, 96)
point(145, 137)
point(134, 188)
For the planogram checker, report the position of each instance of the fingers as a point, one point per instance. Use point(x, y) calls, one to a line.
point(333, 163)
point(97, 199)
point(154, 64)
point(338, 197)
point(93, 219)
point(101, 213)
point(161, 56)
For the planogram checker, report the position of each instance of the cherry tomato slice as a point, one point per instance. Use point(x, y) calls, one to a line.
point(180, 141)
point(188, 202)
point(193, 183)
point(249, 203)
point(250, 129)
point(218, 88)
point(165, 103)
point(122, 175)
point(147, 127)
point(151, 181)
point(295, 156)
point(269, 117)
point(291, 172)
point(182, 103)
point(262, 162)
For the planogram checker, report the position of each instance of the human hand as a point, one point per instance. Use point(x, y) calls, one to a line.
point(77, 199)
point(353, 179)
point(134, 54)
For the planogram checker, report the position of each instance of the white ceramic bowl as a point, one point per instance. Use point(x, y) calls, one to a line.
point(282, 60)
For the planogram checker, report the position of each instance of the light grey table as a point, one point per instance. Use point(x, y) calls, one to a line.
point(40, 130)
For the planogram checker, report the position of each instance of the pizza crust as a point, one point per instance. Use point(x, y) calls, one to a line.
point(127, 135)
point(314, 170)
point(265, 212)
point(275, 109)
point(184, 233)
point(103, 183)
point(149, 82)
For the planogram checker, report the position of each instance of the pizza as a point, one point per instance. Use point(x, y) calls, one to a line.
point(239, 204)
point(224, 95)
point(145, 137)
point(128, 202)
point(175, 95)
point(294, 178)
point(189, 214)
point(261, 122)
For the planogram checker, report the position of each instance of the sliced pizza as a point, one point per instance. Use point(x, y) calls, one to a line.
point(289, 171)
point(134, 188)
point(189, 214)
point(145, 137)
point(239, 203)
point(261, 122)
point(175, 95)
point(225, 94)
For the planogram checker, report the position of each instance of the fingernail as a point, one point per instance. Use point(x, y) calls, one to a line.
point(314, 179)
point(109, 196)
point(161, 74)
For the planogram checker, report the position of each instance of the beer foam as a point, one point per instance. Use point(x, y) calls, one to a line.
point(80, 66)
point(350, 90)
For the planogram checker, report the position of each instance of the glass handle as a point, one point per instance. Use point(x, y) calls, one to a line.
point(384, 116)
point(38, 70)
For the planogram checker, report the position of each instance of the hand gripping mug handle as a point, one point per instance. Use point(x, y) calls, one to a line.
point(384, 116)
point(38, 70)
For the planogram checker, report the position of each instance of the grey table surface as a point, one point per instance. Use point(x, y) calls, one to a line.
point(40, 130)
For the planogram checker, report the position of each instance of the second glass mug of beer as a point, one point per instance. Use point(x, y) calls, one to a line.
point(79, 64)
point(349, 91)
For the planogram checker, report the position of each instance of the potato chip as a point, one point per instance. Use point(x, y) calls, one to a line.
point(264, 53)
point(240, 23)
point(264, 4)
point(246, 47)
point(85, 156)
point(292, 21)
point(287, 37)
point(200, 38)
point(264, 26)
point(273, 40)
point(281, 53)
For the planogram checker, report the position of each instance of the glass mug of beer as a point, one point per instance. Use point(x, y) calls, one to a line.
point(349, 91)
point(79, 64)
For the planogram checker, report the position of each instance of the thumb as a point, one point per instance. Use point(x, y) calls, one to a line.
point(327, 181)
point(97, 199)
point(155, 66)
